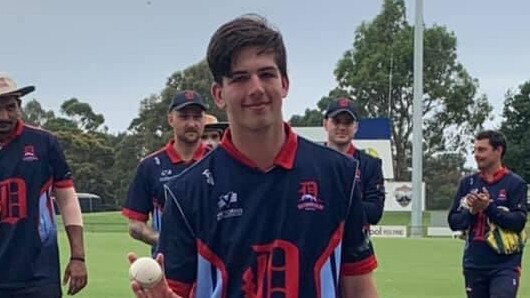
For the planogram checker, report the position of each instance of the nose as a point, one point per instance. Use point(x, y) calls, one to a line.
point(255, 85)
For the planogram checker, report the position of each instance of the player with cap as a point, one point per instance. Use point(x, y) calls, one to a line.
point(145, 196)
point(341, 123)
point(267, 213)
point(32, 167)
point(213, 131)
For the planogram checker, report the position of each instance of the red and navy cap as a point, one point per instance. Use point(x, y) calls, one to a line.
point(341, 105)
point(187, 98)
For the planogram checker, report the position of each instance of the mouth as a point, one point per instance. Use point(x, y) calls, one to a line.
point(256, 106)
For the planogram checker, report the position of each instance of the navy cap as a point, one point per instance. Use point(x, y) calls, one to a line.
point(340, 105)
point(187, 98)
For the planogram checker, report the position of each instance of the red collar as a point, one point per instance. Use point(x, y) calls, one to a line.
point(175, 157)
point(351, 150)
point(284, 159)
point(19, 128)
point(497, 176)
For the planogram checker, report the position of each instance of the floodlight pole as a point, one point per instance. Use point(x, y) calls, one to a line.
point(416, 229)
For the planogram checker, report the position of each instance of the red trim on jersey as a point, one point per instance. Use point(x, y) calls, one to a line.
point(208, 254)
point(497, 176)
point(19, 129)
point(180, 288)
point(47, 185)
point(351, 150)
point(134, 214)
point(284, 159)
point(64, 183)
point(334, 242)
point(359, 268)
point(175, 157)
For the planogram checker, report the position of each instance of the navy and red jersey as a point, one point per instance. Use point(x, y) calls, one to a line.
point(31, 164)
point(231, 229)
point(506, 189)
point(146, 195)
point(370, 179)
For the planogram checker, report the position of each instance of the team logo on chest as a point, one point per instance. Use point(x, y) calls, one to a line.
point(309, 200)
point(502, 195)
point(228, 206)
point(29, 154)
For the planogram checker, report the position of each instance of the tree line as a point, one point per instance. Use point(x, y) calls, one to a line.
point(377, 72)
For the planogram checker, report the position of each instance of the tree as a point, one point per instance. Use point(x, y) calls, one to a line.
point(35, 115)
point(378, 73)
point(442, 174)
point(516, 114)
point(82, 114)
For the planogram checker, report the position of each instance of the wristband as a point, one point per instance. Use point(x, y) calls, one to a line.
point(80, 259)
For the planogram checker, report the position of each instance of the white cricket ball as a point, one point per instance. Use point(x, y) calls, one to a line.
point(146, 272)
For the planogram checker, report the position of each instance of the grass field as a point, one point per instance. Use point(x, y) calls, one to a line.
point(408, 268)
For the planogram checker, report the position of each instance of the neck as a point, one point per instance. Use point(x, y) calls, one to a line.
point(342, 148)
point(186, 150)
point(490, 172)
point(261, 147)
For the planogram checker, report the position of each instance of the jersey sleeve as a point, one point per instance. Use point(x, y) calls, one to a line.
point(62, 175)
point(357, 252)
point(374, 192)
point(515, 218)
point(139, 201)
point(178, 244)
point(459, 218)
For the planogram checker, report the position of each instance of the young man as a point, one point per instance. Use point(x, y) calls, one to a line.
point(32, 166)
point(493, 195)
point(341, 125)
point(266, 213)
point(146, 196)
point(213, 131)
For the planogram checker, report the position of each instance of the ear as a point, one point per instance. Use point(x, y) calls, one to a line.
point(217, 95)
point(325, 123)
point(170, 118)
point(285, 86)
point(355, 127)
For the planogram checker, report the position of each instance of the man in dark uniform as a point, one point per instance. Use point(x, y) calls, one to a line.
point(32, 167)
point(267, 213)
point(341, 124)
point(145, 197)
point(494, 195)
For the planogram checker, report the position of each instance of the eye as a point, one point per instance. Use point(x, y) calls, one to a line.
point(238, 78)
point(268, 74)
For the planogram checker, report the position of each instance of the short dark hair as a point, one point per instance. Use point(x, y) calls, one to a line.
point(495, 138)
point(249, 30)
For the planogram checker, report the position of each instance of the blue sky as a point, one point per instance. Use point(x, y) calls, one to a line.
point(113, 53)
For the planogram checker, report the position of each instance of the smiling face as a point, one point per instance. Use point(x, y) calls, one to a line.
point(341, 129)
point(486, 156)
point(187, 123)
point(253, 92)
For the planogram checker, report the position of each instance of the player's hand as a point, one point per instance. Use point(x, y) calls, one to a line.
point(471, 201)
point(75, 275)
point(160, 290)
point(483, 200)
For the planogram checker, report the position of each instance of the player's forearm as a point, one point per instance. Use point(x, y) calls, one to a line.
point(75, 238)
point(142, 232)
point(459, 220)
point(510, 220)
point(360, 286)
